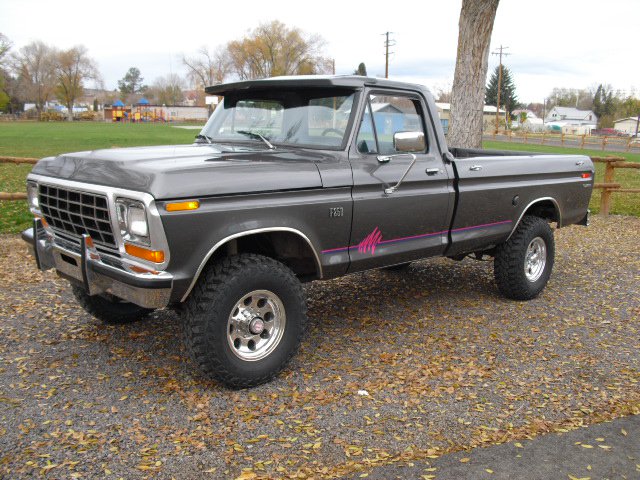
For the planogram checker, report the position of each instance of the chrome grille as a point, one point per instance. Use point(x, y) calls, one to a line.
point(76, 213)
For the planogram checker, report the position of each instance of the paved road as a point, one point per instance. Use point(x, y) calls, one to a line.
point(603, 451)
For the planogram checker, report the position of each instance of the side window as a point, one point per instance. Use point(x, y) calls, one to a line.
point(392, 114)
point(366, 141)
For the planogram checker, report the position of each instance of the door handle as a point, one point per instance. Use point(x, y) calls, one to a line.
point(475, 168)
point(432, 171)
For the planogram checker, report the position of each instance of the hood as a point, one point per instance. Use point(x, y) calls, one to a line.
point(181, 171)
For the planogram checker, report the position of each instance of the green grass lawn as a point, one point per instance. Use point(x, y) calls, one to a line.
point(44, 139)
point(622, 203)
point(52, 138)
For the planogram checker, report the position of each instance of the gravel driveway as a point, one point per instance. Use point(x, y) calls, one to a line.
point(396, 367)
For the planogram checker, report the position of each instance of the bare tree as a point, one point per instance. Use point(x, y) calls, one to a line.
point(5, 46)
point(274, 49)
point(73, 68)
point(35, 69)
point(467, 94)
point(168, 90)
point(207, 67)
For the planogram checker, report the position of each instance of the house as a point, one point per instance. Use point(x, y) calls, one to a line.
point(571, 116)
point(627, 125)
point(391, 118)
point(531, 123)
point(488, 115)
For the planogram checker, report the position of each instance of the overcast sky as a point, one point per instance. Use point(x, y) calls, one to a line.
point(554, 43)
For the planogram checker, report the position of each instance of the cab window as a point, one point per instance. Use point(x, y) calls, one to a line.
point(386, 115)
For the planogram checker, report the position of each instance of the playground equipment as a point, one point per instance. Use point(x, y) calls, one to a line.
point(144, 112)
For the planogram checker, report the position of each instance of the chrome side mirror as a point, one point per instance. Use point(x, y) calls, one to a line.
point(407, 142)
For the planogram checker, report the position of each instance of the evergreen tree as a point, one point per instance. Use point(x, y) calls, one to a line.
point(361, 70)
point(603, 101)
point(508, 97)
point(131, 82)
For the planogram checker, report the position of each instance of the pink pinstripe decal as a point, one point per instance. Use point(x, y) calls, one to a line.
point(371, 241)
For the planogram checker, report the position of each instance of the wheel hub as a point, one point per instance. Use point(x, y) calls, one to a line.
point(535, 259)
point(256, 325)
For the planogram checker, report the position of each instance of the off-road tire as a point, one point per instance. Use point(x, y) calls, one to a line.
point(509, 261)
point(107, 310)
point(207, 310)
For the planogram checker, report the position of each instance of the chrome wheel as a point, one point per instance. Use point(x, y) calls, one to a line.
point(535, 259)
point(255, 325)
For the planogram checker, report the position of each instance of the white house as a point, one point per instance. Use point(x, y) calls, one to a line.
point(571, 116)
point(531, 123)
point(488, 115)
point(627, 125)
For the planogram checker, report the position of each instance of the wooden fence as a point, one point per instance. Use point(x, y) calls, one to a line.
point(628, 144)
point(16, 160)
point(609, 185)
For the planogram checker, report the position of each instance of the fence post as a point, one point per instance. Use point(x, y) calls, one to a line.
point(605, 196)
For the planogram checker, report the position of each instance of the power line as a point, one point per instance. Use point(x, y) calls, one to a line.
point(387, 43)
point(500, 52)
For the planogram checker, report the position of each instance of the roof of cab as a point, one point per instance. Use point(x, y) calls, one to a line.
point(309, 81)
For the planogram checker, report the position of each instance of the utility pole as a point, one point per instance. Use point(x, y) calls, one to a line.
point(387, 43)
point(500, 52)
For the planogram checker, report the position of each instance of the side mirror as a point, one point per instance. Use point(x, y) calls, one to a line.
point(407, 142)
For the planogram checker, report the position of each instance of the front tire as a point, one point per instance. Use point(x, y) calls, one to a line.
point(109, 310)
point(245, 320)
point(522, 265)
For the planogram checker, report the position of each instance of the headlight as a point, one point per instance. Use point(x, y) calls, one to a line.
point(32, 196)
point(132, 220)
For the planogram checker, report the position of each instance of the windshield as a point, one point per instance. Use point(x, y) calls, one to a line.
point(315, 118)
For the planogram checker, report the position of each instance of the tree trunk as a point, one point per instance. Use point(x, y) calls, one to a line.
point(467, 94)
point(70, 113)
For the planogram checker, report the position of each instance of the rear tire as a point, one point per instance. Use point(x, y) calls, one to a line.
point(107, 310)
point(522, 265)
point(245, 320)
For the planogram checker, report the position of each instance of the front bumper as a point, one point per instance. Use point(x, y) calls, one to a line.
point(86, 267)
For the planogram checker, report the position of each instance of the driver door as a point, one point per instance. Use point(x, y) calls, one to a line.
point(411, 222)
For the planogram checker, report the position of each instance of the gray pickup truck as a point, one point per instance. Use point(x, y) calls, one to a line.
point(292, 179)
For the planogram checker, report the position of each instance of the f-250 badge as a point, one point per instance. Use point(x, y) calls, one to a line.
point(336, 212)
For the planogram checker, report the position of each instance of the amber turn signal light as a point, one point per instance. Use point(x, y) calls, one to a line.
point(156, 256)
point(180, 206)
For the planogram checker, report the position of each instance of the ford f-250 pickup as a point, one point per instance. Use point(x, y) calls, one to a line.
point(292, 179)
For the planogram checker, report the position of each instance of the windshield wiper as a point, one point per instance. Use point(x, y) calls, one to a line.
point(256, 136)
point(205, 137)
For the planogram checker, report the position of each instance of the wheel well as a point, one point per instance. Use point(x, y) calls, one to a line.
point(287, 247)
point(546, 209)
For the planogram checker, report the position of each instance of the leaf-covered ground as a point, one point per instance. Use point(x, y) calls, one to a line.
point(396, 367)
